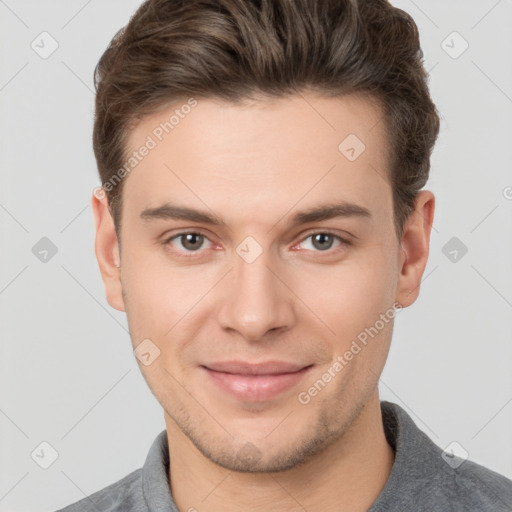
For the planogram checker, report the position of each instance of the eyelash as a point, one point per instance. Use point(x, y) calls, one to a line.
point(192, 254)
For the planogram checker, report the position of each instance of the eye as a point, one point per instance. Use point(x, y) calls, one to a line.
point(190, 242)
point(323, 241)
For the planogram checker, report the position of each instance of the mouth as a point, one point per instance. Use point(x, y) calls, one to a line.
point(255, 382)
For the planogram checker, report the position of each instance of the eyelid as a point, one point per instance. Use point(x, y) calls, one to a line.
point(168, 239)
point(344, 241)
point(315, 231)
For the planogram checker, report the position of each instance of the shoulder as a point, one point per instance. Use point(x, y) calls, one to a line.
point(474, 487)
point(425, 478)
point(125, 494)
point(144, 488)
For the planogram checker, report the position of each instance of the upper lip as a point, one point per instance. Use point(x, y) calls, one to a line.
point(264, 368)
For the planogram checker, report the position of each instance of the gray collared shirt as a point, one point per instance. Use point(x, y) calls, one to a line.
point(422, 479)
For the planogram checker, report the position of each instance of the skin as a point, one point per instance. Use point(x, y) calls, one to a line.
point(255, 165)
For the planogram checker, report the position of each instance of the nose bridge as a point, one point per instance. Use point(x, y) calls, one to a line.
point(256, 301)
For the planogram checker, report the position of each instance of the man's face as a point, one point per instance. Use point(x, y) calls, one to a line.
point(261, 286)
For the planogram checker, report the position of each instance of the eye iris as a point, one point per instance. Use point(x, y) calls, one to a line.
point(322, 238)
point(192, 241)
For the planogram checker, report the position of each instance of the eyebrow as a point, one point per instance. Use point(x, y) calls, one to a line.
point(316, 214)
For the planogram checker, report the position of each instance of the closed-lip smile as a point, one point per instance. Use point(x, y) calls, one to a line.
point(255, 382)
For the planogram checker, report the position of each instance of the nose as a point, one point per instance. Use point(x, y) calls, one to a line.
point(256, 299)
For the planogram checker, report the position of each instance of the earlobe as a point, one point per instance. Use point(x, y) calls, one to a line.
point(107, 252)
point(414, 248)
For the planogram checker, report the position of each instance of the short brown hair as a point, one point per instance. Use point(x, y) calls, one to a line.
point(236, 49)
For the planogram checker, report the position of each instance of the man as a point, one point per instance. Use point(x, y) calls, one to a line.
point(261, 221)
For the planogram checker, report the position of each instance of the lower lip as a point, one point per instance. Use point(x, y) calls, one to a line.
point(256, 388)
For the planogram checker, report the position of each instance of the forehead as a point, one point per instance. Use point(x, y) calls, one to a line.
point(300, 148)
point(223, 127)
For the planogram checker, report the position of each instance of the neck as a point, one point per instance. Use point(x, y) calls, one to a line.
point(348, 475)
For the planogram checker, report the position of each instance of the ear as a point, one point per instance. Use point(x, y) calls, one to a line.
point(414, 248)
point(107, 250)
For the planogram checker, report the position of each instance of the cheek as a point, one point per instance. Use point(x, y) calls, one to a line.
point(159, 295)
point(152, 298)
point(352, 295)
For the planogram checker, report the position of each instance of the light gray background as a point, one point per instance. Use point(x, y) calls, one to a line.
point(68, 375)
